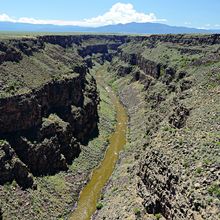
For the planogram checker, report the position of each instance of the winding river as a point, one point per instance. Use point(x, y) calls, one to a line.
point(92, 191)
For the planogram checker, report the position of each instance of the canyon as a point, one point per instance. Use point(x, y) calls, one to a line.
point(56, 119)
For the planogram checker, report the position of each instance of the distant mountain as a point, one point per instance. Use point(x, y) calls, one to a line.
point(130, 28)
point(10, 26)
point(150, 28)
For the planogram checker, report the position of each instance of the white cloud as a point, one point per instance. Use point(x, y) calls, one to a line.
point(5, 17)
point(118, 13)
point(210, 27)
point(122, 13)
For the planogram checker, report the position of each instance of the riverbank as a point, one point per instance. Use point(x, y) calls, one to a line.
point(88, 201)
point(170, 166)
point(56, 195)
point(170, 86)
point(120, 200)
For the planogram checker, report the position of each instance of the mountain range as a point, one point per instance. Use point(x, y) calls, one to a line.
point(130, 28)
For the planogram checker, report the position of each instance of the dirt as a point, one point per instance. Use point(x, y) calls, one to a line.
point(170, 166)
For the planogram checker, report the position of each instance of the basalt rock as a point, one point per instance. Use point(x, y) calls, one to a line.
point(45, 125)
point(1, 214)
point(9, 55)
point(169, 75)
point(177, 76)
point(13, 50)
point(149, 67)
point(179, 117)
point(46, 156)
point(12, 168)
point(93, 49)
point(181, 75)
point(124, 70)
point(67, 41)
point(189, 40)
point(6, 164)
point(185, 85)
point(159, 183)
point(56, 127)
point(25, 111)
point(22, 175)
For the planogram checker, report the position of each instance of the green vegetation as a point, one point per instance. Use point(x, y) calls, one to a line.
point(56, 194)
point(189, 153)
point(199, 170)
point(214, 190)
point(99, 206)
point(37, 70)
point(123, 191)
point(158, 216)
point(171, 55)
point(186, 164)
point(137, 211)
point(2, 142)
point(104, 105)
point(95, 150)
point(114, 189)
point(57, 182)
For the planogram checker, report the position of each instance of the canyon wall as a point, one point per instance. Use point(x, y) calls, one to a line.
point(49, 108)
point(175, 160)
point(48, 102)
point(42, 128)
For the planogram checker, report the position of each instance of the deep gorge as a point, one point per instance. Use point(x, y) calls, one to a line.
point(49, 113)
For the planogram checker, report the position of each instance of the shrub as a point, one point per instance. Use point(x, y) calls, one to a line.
point(3, 142)
point(158, 216)
point(199, 170)
point(214, 190)
point(137, 211)
point(99, 206)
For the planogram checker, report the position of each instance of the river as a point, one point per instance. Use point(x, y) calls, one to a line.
point(91, 193)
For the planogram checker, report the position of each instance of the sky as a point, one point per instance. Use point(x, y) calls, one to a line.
point(190, 13)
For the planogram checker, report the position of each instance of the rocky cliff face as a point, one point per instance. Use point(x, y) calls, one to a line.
point(13, 50)
point(49, 107)
point(12, 168)
point(43, 126)
point(25, 111)
point(178, 176)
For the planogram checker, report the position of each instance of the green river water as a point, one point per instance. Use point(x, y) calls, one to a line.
point(91, 193)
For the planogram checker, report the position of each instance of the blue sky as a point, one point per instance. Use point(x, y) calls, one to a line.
point(192, 13)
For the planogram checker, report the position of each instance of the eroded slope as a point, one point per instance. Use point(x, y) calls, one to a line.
point(176, 157)
point(170, 86)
